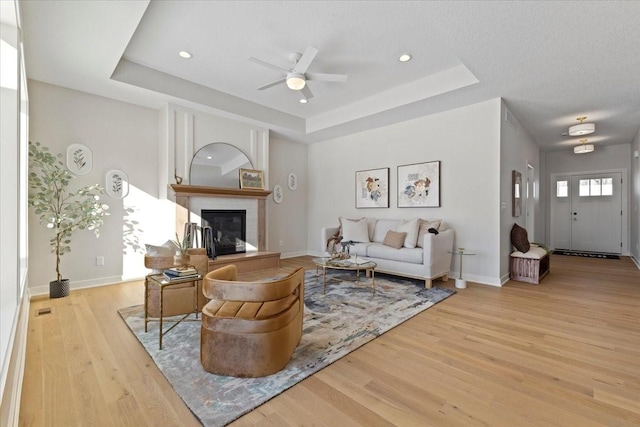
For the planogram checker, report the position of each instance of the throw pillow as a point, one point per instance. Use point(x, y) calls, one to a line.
point(423, 227)
point(411, 228)
point(519, 238)
point(394, 239)
point(167, 249)
point(355, 231)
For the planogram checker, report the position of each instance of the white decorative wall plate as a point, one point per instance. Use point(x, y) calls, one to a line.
point(292, 181)
point(278, 194)
point(117, 184)
point(79, 159)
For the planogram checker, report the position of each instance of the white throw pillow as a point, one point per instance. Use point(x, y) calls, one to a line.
point(411, 228)
point(355, 231)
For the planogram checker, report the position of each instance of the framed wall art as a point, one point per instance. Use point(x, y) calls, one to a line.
point(516, 196)
point(292, 181)
point(116, 184)
point(252, 179)
point(419, 185)
point(79, 159)
point(372, 188)
point(278, 194)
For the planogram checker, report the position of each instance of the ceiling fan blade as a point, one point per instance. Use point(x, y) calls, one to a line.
point(304, 62)
point(266, 64)
point(306, 92)
point(326, 77)
point(272, 84)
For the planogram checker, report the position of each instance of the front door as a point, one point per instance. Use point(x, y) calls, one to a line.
point(586, 212)
point(596, 213)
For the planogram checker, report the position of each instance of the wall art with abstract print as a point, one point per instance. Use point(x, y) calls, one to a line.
point(419, 185)
point(372, 188)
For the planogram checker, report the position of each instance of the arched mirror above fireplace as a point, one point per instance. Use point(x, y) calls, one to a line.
point(218, 165)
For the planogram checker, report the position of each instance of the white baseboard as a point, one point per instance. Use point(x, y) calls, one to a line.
point(83, 284)
point(635, 261)
point(12, 392)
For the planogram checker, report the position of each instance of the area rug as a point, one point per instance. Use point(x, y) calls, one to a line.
point(336, 323)
point(586, 254)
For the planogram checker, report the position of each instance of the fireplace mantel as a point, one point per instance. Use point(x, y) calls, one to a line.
point(200, 191)
point(183, 193)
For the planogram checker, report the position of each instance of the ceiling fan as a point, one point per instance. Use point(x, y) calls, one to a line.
point(296, 77)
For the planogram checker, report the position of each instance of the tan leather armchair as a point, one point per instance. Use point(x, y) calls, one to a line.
point(178, 299)
point(250, 329)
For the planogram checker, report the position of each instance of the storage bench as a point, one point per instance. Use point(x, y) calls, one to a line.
point(529, 266)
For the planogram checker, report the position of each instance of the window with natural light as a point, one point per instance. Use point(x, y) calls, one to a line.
point(562, 189)
point(596, 187)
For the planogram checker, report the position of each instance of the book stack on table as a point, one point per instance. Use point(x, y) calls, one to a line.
point(180, 273)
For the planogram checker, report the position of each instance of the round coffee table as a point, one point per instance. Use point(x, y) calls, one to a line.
point(352, 263)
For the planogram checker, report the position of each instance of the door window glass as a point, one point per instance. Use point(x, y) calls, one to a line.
point(562, 189)
point(596, 187)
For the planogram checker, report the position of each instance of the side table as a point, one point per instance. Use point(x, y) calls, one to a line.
point(162, 283)
point(461, 252)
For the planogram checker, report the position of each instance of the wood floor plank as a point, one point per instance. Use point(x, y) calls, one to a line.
point(565, 352)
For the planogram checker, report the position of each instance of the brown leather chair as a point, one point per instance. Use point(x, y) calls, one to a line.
point(250, 329)
point(178, 299)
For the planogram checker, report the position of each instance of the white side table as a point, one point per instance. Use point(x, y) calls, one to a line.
point(460, 282)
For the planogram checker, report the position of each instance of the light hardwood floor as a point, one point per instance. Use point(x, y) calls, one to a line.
point(562, 353)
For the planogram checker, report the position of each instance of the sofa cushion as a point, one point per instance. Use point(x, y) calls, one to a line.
point(411, 228)
point(519, 238)
point(394, 239)
point(359, 248)
point(382, 226)
point(423, 227)
point(412, 256)
point(355, 231)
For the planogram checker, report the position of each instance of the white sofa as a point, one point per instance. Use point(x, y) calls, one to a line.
point(429, 262)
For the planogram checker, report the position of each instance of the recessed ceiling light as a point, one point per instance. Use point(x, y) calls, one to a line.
point(209, 157)
point(303, 101)
point(405, 57)
point(184, 54)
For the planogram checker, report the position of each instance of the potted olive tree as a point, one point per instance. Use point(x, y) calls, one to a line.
point(61, 210)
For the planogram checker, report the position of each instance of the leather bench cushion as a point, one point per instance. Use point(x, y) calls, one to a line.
point(413, 256)
point(262, 321)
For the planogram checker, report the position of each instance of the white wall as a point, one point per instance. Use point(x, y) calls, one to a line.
point(465, 140)
point(120, 136)
point(634, 203)
point(604, 158)
point(189, 130)
point(517, 150)
point(287, 221)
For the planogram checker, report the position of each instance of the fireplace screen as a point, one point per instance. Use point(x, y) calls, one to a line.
point(229, 230)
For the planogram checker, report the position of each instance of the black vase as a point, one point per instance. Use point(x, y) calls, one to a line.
point(59, 288)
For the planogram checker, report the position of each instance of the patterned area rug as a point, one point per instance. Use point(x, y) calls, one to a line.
point(335, 324)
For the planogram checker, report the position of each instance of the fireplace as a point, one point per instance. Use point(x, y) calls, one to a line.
point(229, 229)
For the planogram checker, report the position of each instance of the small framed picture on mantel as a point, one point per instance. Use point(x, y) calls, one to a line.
point(251, 179)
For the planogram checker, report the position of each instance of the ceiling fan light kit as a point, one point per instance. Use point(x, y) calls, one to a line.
point(296, 81)
point(296, 77)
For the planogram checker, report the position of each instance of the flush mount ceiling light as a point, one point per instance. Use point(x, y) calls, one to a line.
point(184, 54)
point(582, 128)
point(583, 147)
point(296, 81)
point(405, 57)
